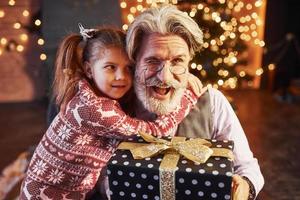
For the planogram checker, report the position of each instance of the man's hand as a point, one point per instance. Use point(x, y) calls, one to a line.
point(195, 85)
point(240, 188)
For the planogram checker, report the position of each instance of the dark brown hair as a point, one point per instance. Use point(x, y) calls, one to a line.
point(73, 52)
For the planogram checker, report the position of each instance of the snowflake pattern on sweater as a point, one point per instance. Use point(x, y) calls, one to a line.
point(80, 141)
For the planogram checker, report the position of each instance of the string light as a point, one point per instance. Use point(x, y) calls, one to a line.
point(2, 13)
point(25, 13)
point(41, 41)
point(11, 2)
point(43, 56)
point(37, 22)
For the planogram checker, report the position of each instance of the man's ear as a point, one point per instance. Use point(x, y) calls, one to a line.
point(88, 70)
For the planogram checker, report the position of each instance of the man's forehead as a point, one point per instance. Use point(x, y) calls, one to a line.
point(157, 44)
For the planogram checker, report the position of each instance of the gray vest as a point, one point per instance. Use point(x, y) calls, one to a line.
point(199, 121)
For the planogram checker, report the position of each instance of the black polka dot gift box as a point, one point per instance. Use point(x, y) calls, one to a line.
point(171, 168)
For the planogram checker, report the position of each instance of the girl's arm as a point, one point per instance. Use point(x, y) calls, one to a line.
point(106, 118)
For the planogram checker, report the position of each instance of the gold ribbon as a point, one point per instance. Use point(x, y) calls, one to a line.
point(197, 150)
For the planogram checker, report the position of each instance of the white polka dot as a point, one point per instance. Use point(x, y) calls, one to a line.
point(210, 164)
point(138, 185)
point(124, 156)
point(114, 154)
point(230, 146)
point(227, 196)
point(223, 165)
point(110, 192)
point(145, 196)
point(114, 162)
point(115, 182)
point(131, 174)
point(133, 195)
point(158, 159)
point(188, 192)
point(147, 158)
point(194, 182)
point(221, 185)
point(150, 187)
point(213, 195)
point(121, 193)
point(215, 172)
point(150, 165)
point(120, 173)
point(200, 194)
point(130, 139)
point(217, 158)
point(155, 177)
point(219, 145)
point(228, 173)
point(188, 169)
point(127, 184)
point(201, 171)
point(225, 141)
point(108, 171)
point(181, 180)
point(207, 183)
point(214, 140)
point(144, 176)
point(156, 198)
point(138, 164)
point(183, 161)
point(126, 163)
point(140, 140)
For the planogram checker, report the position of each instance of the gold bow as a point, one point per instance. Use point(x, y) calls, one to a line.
point(197, 150)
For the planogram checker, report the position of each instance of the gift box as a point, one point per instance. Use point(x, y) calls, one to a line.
point(144, 178)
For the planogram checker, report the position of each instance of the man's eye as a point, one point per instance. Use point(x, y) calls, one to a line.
point(177, 60)
point(153, 62)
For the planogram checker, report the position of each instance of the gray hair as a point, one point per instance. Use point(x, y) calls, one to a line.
point(165, 20)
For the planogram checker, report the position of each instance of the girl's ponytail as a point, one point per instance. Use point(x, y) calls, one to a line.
point(68, 70)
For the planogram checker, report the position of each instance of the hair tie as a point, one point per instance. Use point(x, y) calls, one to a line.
point(86, 33)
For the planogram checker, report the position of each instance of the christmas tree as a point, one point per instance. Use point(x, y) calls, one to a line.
point(222, 49)
point(228, 26)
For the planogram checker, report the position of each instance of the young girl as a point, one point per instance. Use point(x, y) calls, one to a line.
point(83, 136)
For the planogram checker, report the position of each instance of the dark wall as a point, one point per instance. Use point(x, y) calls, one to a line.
point(61, 17)
point(282, 18)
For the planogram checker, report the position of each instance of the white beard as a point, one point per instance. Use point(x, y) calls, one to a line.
point(158, 106)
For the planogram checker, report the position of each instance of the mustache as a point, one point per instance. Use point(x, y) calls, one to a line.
point(154, 81)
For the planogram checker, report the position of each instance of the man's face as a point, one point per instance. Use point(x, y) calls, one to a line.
point(161, 72)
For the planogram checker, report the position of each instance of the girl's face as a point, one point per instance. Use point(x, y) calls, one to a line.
point(111, 72)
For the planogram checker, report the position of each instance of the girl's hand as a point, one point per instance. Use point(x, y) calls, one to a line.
point(195, 85)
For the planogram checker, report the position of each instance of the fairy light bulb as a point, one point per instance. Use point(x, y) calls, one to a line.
point(25, 13)
point(20, 48)
point(41, 41)
point(2, 13)
point(24, 37)
point(125, 27)
point(43, 56)
point(11, 2)
point(37, 22)
point(17, 25)
point(271, 67)
point(123, 4)
point(3, 41)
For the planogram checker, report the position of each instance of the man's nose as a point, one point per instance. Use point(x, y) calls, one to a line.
point(165, 75)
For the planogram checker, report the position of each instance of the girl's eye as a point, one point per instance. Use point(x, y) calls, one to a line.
point(110, 67)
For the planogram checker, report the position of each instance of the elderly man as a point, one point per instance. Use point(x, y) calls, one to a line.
point(162, 42)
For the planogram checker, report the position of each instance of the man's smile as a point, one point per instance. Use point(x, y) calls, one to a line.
point(161, 92)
